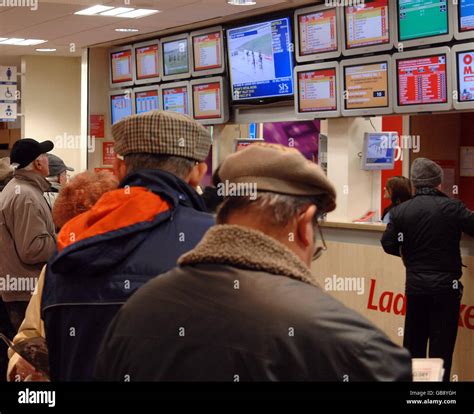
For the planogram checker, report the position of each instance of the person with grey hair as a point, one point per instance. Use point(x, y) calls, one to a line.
point(426, 232)
point(243, 304)
point(57, 177)
point(27, 236)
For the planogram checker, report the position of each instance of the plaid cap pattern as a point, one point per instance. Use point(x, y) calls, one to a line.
point(162, 132)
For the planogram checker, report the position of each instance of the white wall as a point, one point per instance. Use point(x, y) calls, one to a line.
point(356, 189)
point(51, 105)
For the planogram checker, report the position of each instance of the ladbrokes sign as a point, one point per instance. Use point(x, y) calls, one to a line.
point(392, 302)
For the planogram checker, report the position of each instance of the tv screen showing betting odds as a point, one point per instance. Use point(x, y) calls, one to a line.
point(422, 80)
point(146, 101)
point(121, 106)
point(366, 86)
point(207, 101)
point(367, 24)
point(121, 62)
point(147, 62)
point(422, 18)
point(207, 51)
point(175, 99)
point(317, 90)
point(317, 32)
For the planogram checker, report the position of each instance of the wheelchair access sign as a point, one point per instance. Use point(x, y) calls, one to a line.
point(8, 93)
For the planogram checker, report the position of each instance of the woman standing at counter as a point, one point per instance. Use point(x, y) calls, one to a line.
point(398, 190)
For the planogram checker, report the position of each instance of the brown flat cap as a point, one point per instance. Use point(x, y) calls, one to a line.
point(162, 132)
point(278, 169)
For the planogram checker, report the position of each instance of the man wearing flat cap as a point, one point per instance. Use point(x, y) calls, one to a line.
point(426, 232)
point(27, 236)
point(243, 305)
point(130, 236)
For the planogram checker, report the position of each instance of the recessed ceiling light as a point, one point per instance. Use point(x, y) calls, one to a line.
point(21, 42)
point(242, 2)
point(90, 11)
point(108, 11)
point(31, 42)
point(46, 50)
point(11, 41)
point(117, 10)
point(139, 13)
point(126, 30)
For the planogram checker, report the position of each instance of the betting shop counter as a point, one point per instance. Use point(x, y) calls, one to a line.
point(357, 271)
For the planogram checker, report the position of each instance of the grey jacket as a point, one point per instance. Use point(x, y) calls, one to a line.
point(27, 237)
point(242, 307)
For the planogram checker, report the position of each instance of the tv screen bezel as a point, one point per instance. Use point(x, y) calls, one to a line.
point(214, 71)
point(224, 102)
point(332, 113)
point(172, 85)
point(423, 41)
point(301, 58)
point(154, 79)
point(386, 110)
point(416, 108)
point(362, 50)
point(145, 89)
point(456, 21)
point(377, 167)
point(169, 39)
point(267, 99)
point(120, 92)
point(455, 51)
point(116, 85)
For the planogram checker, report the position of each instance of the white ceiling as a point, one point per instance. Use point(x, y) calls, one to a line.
point(54, 21)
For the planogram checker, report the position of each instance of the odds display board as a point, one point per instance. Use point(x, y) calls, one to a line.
point(208, 51)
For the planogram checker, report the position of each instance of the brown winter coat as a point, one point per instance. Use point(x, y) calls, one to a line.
point(27, 238)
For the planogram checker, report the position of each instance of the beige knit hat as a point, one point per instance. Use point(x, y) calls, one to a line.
point(278, 169)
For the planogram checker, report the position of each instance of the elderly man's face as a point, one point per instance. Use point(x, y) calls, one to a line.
point(42, 165)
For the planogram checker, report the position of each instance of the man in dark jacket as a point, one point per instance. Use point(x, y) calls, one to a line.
point(426, 232)
point(130, 235)
point(243, 305)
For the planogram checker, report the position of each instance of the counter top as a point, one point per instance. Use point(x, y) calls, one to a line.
point(378, 227)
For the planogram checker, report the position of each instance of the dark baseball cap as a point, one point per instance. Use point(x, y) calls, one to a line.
point(57, 166)
point(26, 150)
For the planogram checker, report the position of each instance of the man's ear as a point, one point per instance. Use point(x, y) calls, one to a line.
point(120, 169)
point(305, 225)
point(196, 174)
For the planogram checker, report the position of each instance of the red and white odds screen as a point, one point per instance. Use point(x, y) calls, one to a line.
point(422, 80)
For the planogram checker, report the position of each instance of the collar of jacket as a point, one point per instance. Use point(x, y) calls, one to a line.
point(249, 249)
point(33, 178)
point(166, 185)
point(429, 191)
